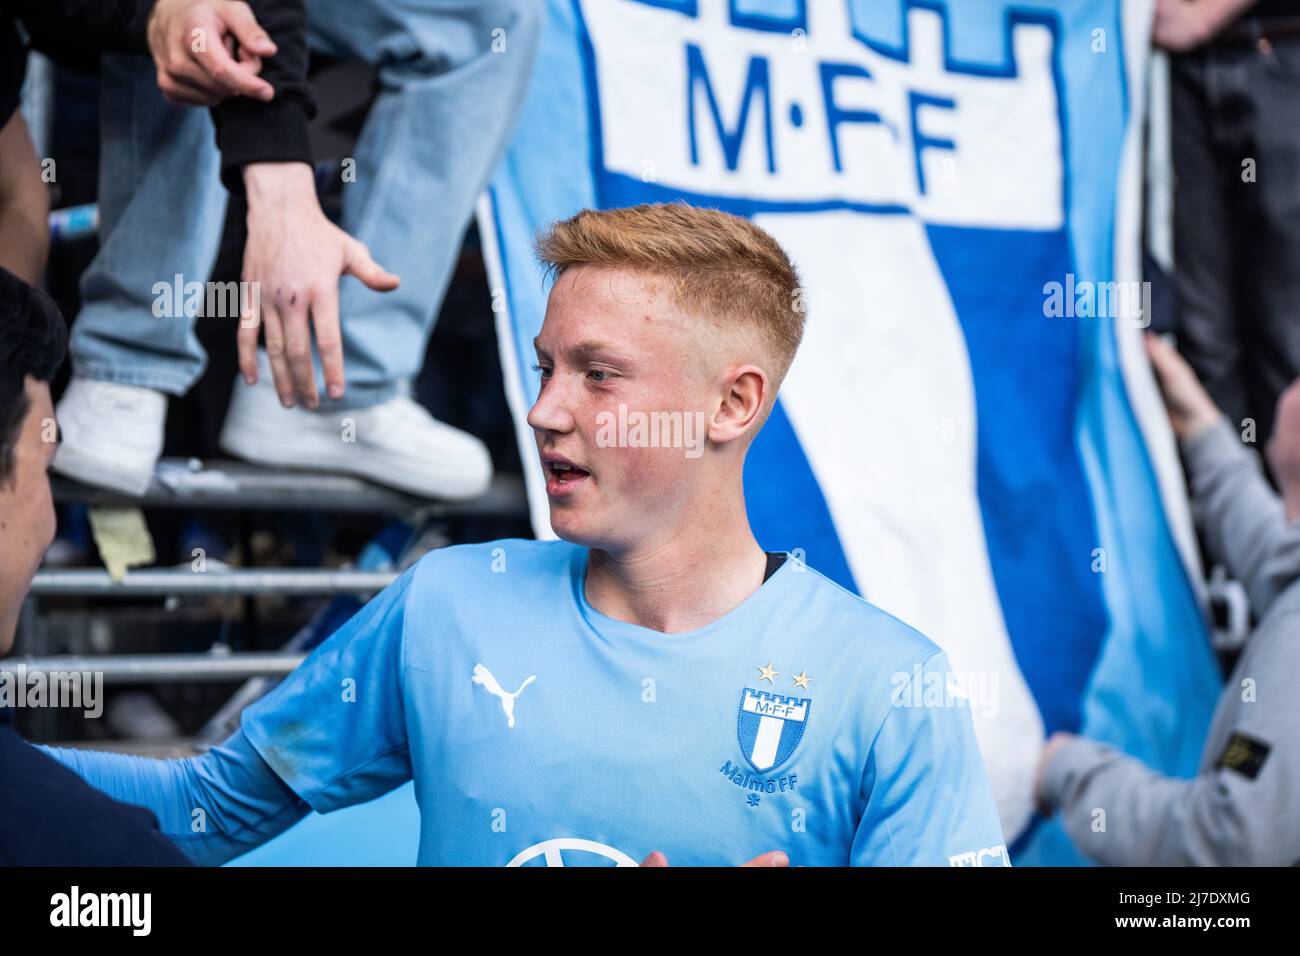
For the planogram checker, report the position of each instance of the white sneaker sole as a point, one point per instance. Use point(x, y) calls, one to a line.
point(101, 472)
point(251, 433)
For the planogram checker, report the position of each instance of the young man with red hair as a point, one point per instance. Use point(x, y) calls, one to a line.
point(654, 686)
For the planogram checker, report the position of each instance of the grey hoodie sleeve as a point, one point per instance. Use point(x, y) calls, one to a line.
point(1240, 515)
point(1242, 812)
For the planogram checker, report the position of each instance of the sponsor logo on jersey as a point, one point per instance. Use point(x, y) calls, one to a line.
point(989, 856)
point(485, 679)
point(555, 852)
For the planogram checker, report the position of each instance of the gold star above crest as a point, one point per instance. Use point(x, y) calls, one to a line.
point(767, 673)
point(801, 679)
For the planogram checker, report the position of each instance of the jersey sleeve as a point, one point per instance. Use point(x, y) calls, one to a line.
point(214, 807)
point(335, 729)
point(927, 794)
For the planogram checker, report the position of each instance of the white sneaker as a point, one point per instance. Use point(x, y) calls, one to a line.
point(395, 443)
point(112, 434)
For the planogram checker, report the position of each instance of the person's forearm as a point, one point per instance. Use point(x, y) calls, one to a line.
point(215, 807)
point(24, 205)
point(275, 191)
point(24, 239)
point(1119, 812)
point(269, 183)
point(1241, 517)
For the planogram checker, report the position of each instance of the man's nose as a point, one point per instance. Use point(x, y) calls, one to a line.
point(551, 410)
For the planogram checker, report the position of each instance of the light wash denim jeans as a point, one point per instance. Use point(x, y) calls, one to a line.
point(449, 96)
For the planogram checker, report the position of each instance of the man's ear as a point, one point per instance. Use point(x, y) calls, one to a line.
point(738, 414)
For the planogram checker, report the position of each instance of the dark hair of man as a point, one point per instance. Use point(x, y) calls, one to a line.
point(33, 340)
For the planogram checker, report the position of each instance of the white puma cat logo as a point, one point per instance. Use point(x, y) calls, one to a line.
point(483, 677)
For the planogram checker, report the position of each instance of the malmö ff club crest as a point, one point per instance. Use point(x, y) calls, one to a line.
point(770, 727)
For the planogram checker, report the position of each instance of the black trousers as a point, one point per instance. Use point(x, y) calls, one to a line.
point(1235, 115)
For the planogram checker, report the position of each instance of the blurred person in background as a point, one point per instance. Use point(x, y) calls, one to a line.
point(1235, 119)
point(451, 78)
point(48, 815)
point(1240, 808)
point(249, 64)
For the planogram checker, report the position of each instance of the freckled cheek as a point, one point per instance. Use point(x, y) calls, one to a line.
point(650, 468)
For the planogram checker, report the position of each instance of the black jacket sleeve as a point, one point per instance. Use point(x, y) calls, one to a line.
point(248, 130)
point(79, 26)
point(51, 817)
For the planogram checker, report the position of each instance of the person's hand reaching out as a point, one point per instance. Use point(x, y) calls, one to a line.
point(296, 255)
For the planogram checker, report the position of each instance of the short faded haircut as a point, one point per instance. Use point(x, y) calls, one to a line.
point(720, 267)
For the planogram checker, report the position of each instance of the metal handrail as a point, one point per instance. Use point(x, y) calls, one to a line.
point(87, 582)
point(160, 668)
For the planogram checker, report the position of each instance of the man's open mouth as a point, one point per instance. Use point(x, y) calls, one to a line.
point(562, 475)
point(566, 473)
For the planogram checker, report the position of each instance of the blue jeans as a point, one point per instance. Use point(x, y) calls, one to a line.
point(446, 105)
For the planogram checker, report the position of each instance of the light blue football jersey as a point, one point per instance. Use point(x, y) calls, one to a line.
point(542, 732)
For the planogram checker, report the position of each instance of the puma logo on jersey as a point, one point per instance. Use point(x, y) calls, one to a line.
point(483, 677)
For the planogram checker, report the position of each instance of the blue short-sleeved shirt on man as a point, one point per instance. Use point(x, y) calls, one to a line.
point(542, 732)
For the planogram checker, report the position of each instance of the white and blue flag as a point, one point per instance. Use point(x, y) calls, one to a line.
point(969, 437)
